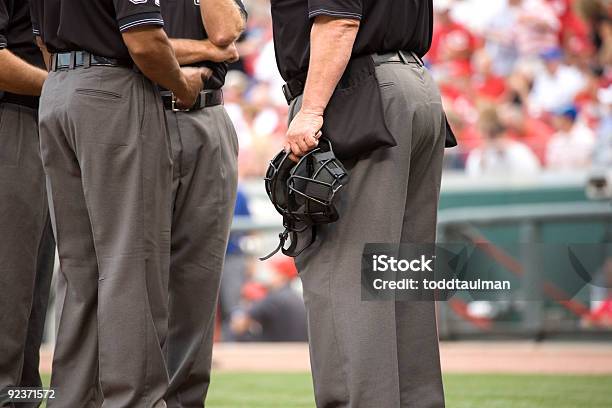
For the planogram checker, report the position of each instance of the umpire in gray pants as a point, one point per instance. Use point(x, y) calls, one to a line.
point(367, 354)
point(106, 154)
point(205, 154)
point(27, 250)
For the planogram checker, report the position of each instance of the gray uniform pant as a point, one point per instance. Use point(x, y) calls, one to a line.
point(205, 153)
point(27, 250)
point(379, 354)
point(106, 154)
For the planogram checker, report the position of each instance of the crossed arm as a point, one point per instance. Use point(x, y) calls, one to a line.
point(192, 51)
point(224, 22)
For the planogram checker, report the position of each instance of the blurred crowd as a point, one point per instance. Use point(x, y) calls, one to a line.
point(527, 85)
point(253, 95)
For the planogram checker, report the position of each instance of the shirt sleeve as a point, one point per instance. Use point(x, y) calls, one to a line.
point(135, 13)
point(4, 22)
point(34, 18)
point(335, 8)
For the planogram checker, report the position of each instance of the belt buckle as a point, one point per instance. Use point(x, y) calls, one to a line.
point(205, 98)
point(174, 107)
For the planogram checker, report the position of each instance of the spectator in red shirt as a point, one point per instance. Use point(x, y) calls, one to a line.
point(537, 28)
point(499, 154)
point(452, 44)
point(587, 101)
point(574, 33)
point(572, 146)
point(535, 133)
point(487, 84)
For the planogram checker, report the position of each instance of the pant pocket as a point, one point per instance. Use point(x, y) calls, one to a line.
point(98, 93)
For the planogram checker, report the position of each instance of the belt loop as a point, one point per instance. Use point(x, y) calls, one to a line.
point(416, 56)
point(402, 57)
point(377, 60)
point(72, 62)
point(53, 62)
point(86, 60)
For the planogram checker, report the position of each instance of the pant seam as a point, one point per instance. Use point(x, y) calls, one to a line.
point(146, 308)
point(337, 343)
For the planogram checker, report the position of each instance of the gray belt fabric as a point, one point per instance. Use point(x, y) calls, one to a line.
point(399, 57)
point(85, 59)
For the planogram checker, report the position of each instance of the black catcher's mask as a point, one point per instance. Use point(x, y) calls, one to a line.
point(305, 193)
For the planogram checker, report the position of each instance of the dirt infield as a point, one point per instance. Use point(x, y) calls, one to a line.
point(460, 357)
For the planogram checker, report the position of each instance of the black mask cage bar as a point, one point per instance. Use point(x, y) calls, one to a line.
point(290, 235)
point(275, 182)
point(313, 185)
point(304, 193)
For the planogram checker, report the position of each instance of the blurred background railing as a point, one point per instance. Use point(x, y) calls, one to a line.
point(548, 208)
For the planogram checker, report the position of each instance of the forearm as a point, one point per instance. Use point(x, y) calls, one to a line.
point(223, 21)
point(190, 51)
point(154, 56)
point(17, 76)
point(331, 45)
point(193, 51)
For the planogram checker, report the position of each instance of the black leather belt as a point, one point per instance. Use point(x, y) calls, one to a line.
point(295, 87)
point(85, 59)
point(206, 99)
point(399, 57)
point(22, 100)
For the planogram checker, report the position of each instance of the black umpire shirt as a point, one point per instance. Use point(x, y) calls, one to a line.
point(183, 19)
point(91, 25)
point(386, 25)
point(16, 31)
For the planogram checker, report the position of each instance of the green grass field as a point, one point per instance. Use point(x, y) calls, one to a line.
point(232, 390)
